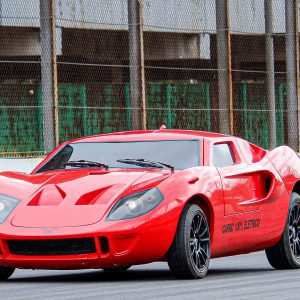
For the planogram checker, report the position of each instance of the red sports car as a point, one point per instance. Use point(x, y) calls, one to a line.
point(115, 200)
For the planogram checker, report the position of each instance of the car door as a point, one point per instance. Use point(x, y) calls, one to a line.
point(243, 187)
point(251, 194)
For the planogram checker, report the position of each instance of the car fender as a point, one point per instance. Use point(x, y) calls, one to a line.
point(287, 163)
point(200, 185)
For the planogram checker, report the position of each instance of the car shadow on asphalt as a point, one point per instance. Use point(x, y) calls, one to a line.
point(130, 275)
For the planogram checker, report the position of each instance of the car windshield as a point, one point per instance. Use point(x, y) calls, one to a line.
point(181, 154)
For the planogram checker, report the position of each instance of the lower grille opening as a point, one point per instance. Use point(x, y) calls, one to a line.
point(52, 247)
point(104, 245)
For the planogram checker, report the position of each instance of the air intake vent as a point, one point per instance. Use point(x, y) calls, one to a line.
point(52, 247)
point(104, 245)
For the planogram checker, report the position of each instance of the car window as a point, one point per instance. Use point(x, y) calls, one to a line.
point(181, 154)
point(222, 155)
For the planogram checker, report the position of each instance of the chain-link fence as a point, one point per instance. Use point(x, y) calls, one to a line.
point(72, 68)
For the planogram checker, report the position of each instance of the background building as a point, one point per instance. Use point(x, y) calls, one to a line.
point(181, 66)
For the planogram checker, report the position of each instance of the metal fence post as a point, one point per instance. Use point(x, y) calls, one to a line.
point(207, 101)
point(271, 96)
point(245, 116)
point(291, 21)
point(224, 67)
point(136, 62)
point(49, 75)
point(128, 106)
point(280, 115)
point(169, 105)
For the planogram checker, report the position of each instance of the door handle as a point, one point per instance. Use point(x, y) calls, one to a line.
point(193, 180)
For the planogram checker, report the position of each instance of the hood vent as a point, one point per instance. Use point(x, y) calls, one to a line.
point(92, 197)
point(49, 196)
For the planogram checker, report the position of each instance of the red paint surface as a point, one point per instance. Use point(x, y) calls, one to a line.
point(75, 203)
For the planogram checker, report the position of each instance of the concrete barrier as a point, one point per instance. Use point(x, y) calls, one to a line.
point(25, 165)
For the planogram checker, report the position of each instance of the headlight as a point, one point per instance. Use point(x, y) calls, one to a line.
point(7, 205)
point(136, 205)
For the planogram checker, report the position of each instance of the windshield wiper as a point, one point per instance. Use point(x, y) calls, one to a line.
point(85, 163)
point(145, 163)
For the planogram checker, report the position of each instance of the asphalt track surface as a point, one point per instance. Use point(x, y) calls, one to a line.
point(240, 277)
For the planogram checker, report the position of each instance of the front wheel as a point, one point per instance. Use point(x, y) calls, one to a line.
point(189, 255)
point(6, 272)
point(286, 253)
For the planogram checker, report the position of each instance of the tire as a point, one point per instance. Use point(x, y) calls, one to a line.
point(189, 255)
point(116, 269)
point(6, 272)
point(286, 253)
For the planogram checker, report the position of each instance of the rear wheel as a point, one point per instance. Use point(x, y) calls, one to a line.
point(189, 255)
point(286, 253)
point(6, 272)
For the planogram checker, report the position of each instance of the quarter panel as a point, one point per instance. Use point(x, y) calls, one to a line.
point(287, 164)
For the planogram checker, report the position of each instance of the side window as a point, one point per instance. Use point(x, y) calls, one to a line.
point(223, 155)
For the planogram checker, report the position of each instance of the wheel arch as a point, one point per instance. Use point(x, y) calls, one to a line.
point(203, 202)
point(296, 188)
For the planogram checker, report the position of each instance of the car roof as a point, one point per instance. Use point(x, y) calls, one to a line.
point(148, 135)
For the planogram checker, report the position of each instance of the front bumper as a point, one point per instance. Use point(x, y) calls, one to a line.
point(107, 253)
point(116, 244)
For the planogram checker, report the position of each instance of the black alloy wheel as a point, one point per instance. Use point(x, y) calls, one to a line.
point(200, 242)
point(286, 253)
point(189, 255)
point(294, 230)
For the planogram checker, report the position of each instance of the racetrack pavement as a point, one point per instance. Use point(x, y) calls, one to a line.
point(240, 277)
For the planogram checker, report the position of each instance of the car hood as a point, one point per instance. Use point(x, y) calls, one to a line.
point(71, 198)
